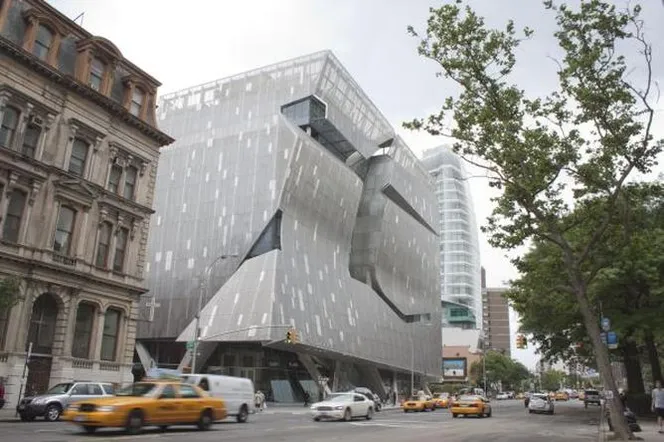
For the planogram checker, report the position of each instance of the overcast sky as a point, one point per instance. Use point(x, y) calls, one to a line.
point(186, 43)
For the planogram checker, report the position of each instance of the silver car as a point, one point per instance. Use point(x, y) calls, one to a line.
point(540, 403)
point(51, 404)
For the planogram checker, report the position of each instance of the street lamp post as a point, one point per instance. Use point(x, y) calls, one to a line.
point(205, 280)
point(484, 362)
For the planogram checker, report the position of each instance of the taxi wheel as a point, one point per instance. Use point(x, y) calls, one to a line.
point(455, 415)
point(205, 421)
point(370, 412)
point(347, 415)
point(52, 413)
point(90, 430)
point(489, 413)
point(134, 422)
point(163, 427)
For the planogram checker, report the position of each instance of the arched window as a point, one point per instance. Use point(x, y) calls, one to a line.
point(97, 68)
point(8, 126)
point(42, 324)
point(43, 43)
point(85, 315)
point(109, 342)
point(137, 99)
point(79, 155)
point(103, 244)
point(120, 250)
point(12, 226)
point(64, 230)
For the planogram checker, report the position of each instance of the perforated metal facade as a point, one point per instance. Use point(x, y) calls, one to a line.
point(282, 167)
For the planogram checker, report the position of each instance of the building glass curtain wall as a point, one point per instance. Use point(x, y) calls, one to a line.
point(460, 270)
point(331, 218)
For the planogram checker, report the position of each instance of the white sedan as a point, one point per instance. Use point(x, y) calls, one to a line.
point(502, 396)
point(540, 403)
point(343, 406)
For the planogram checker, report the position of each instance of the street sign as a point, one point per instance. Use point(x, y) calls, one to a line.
point(603, 336)
point(190, 345)
point(612, 340)
point(606, 324)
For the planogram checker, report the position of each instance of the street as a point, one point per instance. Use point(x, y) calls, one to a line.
point(510, 422)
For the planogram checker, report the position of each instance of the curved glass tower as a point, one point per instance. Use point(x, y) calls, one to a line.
point(460, 271)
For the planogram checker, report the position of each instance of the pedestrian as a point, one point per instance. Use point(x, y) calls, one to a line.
point(394, 398)
point(257, 400)
point(658, 404)
point(307, 398)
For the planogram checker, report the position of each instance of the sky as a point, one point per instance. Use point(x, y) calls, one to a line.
point(187, 43)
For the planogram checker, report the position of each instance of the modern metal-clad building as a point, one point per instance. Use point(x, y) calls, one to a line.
point(460, 269)
point(324, 220)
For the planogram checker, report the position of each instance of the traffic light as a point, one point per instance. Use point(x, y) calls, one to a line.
point(521, 342)
point(291, 336)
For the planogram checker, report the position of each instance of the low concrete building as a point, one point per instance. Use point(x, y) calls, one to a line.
point(78, 156)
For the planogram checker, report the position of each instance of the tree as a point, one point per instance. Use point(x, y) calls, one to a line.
point(629, 287)
point(583, 139)
point(552, 380)
point(499, 370)
point(10, 289)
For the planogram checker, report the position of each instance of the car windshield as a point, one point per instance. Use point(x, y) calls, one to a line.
point(469, 398)
point(136, 390)
point(336, 397)
point(592, 392)
point(539, 396)
point(59, 389)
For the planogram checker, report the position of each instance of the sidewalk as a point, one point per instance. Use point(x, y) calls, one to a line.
point(649, 431)
point(8, 414)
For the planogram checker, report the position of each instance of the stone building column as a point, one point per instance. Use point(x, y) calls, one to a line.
point(71, 326)
point(99, 333)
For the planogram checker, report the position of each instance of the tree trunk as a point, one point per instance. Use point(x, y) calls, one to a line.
point(653, 356)
point(632, 366)
point(591, 321)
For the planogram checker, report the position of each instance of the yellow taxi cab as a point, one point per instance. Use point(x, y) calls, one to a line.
point(441, 400)
point(418, 403)
point(471, 405)
point(561, 396)
point(148, 403)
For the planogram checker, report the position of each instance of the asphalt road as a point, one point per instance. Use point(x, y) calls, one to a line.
point(510, 422)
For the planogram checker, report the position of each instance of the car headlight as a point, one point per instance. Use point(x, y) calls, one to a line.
point(105, 409)
point(313, 408)
point(39, 401)
point(339, 407)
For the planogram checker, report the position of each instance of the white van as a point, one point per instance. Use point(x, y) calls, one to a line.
point(237, 393)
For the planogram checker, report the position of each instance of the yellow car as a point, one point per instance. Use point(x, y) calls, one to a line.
point(441, 400)
point(158, 403)
point(415, 403)
point(561, 396)
point(471, 406)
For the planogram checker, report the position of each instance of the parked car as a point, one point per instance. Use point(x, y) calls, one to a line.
point(343, 406)
point(2, 393)
point(51, 404)
point(237, 393)
point(591, 397)
point(378, 404)
point(540, 403)
point(159, 404)
point(502, 396)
